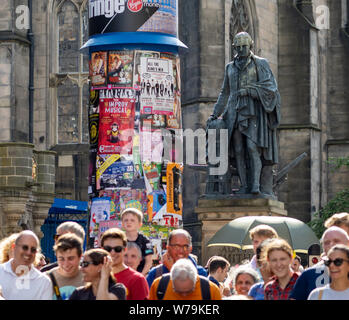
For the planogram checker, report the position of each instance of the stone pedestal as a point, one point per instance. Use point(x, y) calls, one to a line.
point(215, 213)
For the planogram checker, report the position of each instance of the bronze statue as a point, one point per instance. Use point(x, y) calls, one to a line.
point(249, 104)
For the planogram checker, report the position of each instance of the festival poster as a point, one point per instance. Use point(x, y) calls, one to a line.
point(157, 80)
point(92, 188)
point(156, 201)
point(100, 211)
point(98, 68)
point(136, 157)
point(103, 162)
point(116, 126)
point(174, 188)
point(173, 145)
point(153, 231)
point(118, 174)
point(174, 121)
point(138, 84)
point(93, 117)
point(152, 176)
point(151, 145)
point(120, 68)
point(122, 199)
point(153, 121)
point(106, 225)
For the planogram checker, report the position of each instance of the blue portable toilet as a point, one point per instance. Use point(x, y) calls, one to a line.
point(62, 210)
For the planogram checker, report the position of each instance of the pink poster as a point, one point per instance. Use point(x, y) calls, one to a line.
point(116, 125)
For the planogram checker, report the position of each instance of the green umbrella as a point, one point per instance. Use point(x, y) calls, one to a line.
point(236, 232)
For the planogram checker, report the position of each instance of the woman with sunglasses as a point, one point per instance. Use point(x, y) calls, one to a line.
point(337, 262)
point(100, 284)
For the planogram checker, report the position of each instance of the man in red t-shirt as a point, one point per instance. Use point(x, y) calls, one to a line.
point(114, 241)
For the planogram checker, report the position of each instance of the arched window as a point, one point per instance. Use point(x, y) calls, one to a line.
point(69, 71)
point(239, 17)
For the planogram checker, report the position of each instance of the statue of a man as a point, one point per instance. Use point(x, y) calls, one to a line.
point(249, 104)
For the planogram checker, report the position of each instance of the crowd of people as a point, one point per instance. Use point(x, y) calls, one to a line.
point(121, 268)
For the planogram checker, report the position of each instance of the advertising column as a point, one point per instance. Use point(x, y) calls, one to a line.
point(134, 116)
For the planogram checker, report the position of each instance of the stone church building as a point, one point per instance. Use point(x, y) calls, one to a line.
point(44, 93)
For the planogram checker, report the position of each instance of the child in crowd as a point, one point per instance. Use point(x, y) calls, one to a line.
point(132, 220)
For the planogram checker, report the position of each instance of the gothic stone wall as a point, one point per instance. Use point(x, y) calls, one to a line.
point(14, 75)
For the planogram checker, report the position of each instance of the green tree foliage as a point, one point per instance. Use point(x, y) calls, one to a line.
point(339, 162)
point(340, 203)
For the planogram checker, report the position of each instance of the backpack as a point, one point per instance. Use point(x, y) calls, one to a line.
point(165, 279)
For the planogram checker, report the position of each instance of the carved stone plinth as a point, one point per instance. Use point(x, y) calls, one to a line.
point(215, 213)
point(27, 187)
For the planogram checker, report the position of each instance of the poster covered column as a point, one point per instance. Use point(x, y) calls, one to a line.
point(134, 115)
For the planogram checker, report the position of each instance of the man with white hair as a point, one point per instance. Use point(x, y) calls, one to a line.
point(184, 283)
point(317, 276)
point(19, 279)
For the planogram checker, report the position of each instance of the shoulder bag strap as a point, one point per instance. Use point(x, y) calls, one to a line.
point(55, 286)
point(205, 288)
point(162, 286)
point(320, 294)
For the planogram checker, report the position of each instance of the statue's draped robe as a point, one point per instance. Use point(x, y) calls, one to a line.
point(257, 118)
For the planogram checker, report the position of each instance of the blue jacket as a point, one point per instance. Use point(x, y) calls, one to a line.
point(314, 277)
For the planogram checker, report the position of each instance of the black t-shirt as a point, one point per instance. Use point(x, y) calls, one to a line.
point(83, 293)
point(146, 247)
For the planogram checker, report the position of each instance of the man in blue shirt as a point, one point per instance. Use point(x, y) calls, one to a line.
point(317, 276)
point(179, 246)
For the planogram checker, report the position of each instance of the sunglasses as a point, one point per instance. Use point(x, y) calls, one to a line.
point(56, 236)
point(177, 247)
point(117, 249)
point(337, 262)
point(26, 248)
point(85, 264)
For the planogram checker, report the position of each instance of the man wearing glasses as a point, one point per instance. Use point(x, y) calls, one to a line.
point(114, 241)
point(19, 279)
point(179, 246)
point(317, 276)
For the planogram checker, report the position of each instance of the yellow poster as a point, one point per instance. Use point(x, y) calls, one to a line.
point(174, 188)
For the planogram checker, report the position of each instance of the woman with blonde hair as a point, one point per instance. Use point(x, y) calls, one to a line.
point(6, 247)
point(279, 255)
point(100, 283)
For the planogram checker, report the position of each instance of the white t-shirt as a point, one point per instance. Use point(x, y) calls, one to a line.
point(32, 286)
point(329, 294)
